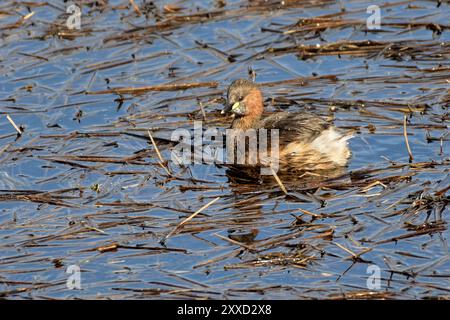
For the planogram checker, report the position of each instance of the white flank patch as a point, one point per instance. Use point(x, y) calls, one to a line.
point(334, 144)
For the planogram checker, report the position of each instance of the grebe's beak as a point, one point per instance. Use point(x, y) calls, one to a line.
point(235, 106)
point(230, 108)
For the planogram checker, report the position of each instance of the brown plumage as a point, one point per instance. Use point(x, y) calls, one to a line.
point(307, 141)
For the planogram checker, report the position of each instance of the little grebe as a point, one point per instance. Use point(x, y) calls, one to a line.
point(307, 142)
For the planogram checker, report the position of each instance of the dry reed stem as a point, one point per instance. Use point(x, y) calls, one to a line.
point(192, 216)
point(161, 160)
point(280, 183)
point(411, 158)
point(13, 124)
point(161, 87)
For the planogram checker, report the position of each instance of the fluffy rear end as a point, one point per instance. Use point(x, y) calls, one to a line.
point(326, 152)
point(334, 144)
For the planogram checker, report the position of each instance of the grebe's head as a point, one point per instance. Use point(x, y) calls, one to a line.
point(244, 99)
